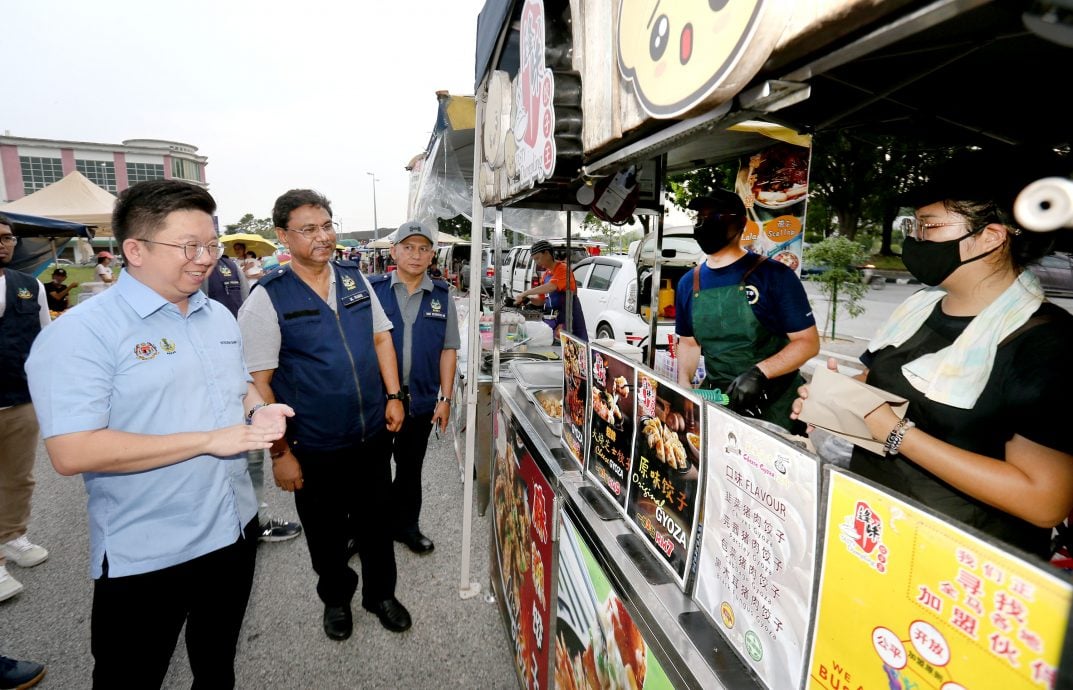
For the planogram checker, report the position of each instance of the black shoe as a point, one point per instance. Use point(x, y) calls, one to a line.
point(338, 622)
point(392, 615)
point(417, 542)
point(275, 529)
point(19, 674)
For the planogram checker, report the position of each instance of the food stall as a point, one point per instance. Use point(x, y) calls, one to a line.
point(644, 536)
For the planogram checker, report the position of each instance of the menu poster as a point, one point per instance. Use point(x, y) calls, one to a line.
point(908, 599)
point(524, 508)
point(611, 423)
point(664, 486)
point(756, 568)
point(575, 396)
point(597, 644)
point(773, 184)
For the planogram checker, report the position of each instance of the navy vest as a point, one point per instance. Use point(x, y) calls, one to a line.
point(426, 340)
point(328, 371)
point(224, 284)
point(19, 326)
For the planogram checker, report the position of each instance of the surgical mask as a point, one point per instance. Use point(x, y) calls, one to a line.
point(933, 262)
point(713, 233)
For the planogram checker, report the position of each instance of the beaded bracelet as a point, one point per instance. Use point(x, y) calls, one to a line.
point(894, 438)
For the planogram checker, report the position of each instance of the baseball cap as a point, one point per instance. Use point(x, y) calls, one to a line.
point(59, 272)
point(541, 246)
point(105, 255)
point(411, 228)
point(720, 200)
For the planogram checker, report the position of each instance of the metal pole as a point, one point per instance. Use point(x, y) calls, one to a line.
point(657, 256)
point(376, 223)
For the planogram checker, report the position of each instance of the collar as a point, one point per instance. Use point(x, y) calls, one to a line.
point(145, 301)
point(426, 282)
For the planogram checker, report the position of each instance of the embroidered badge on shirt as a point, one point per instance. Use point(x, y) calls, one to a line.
point(436, 306)
point(752, 295)
point(167, 346)
point(349, 283)
point(225, 270)
point(23, 293)
point(145, 351)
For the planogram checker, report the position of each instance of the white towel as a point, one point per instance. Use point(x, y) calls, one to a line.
point(957, 374)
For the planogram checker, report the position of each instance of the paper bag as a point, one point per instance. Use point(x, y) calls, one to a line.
point(838, 403)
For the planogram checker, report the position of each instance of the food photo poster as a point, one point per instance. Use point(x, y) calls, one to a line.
point(575, 397)
point(611, 423)
point(773, 184)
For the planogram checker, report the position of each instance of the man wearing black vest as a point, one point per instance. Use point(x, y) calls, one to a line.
point(425, 334)
point(23, 313)
point(316, 338)
point(227, 284)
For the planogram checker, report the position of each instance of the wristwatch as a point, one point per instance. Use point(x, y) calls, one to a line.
point(396, 396)
point(443, 398)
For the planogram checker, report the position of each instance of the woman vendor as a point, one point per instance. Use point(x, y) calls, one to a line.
point(984, 362)
point(555, 287)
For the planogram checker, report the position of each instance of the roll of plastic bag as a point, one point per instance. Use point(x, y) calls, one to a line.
point(1045, 205)
point(540, 333)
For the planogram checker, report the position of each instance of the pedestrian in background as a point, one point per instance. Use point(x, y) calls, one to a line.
point(316, 338)
point(57, 291)
point(158, 426)
point(103, 272)
point(426, 340)
point(23, 315)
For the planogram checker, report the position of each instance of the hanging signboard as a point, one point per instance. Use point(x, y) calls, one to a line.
point(575, 397)
point(664, 495)
point(611, 423)
point(908, 599)
point(773, 183)
point(597, 644)
point(524, 508)
point(756, 568)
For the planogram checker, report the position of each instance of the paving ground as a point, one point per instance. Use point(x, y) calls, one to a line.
point(454, 643)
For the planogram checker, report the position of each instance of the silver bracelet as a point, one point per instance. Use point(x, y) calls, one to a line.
point(894, 438)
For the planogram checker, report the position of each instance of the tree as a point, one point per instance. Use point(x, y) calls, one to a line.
point(686, 186)
point(460, 226)
point(840, 282)
point(611, 234)
point(257, 226)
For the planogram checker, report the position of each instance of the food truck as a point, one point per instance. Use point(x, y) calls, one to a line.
point(643, 536)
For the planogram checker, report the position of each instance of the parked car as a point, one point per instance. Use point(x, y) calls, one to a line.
point(454, 262)
point(519, 271)
point(607, 290)
point(1055, 273)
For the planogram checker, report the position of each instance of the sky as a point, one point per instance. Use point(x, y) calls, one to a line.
point(277, 95)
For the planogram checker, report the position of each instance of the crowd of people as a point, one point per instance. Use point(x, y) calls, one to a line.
point(268, 352)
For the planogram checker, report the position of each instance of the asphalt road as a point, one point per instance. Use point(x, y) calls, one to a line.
point(453, 643)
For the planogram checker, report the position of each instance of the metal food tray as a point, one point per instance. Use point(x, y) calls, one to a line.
point(532, 374)
point(555, 425)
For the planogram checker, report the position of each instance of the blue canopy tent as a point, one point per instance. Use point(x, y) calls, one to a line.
point(40, 239)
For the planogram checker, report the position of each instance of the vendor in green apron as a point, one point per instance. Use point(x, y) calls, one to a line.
point(748, 316)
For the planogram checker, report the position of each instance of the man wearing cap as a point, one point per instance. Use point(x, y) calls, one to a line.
point(555, 287)
point(104, 268)
point(315, 337)
point(57, 291)
point(425, 334)
point(749, 317)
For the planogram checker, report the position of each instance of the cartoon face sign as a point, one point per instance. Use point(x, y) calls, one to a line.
point(677, 52)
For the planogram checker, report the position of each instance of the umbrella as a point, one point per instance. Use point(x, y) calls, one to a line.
point(262, 246)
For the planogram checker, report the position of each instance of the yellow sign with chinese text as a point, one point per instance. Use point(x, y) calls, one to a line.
point(910, 600)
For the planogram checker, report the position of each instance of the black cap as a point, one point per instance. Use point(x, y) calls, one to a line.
point(59, 272)
point(541, 246)
point(719, 200)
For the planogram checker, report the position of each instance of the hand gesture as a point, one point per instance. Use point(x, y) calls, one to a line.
point(441, 415)
point(395, 414)
point(802, 394)
point(272, 419)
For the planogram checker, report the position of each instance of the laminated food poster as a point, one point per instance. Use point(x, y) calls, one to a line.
point(524, 507)
point(773, 183)
point(757, 562)
point(597, 644)
point(908, 599)
point(611, 422)
point(575, 397)
point(664, 498)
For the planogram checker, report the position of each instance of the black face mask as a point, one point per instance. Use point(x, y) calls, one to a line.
point(932, 262)
point(714, 233)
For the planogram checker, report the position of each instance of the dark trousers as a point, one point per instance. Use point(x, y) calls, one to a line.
point(348, 491)
point(136, 619)
point(410, 444)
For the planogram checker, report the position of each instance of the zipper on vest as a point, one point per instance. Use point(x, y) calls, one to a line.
point(353, 373)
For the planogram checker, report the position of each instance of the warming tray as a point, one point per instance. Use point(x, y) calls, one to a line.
point(532, 374)
point(535, 395)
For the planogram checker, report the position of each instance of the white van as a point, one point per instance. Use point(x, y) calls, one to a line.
point(519, 270)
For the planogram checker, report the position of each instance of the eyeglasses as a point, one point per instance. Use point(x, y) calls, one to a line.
point(419, 249)
point(193, 250)
point(10, 240)
point(911, 227)
point(331, 227)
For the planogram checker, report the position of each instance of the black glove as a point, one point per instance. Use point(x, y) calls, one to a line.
point(748, 392)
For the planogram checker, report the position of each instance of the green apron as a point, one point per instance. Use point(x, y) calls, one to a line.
point(732, 341)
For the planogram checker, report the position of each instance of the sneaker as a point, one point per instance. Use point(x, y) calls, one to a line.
point(23, 552)
point(275, 529)
point(9, 586)
point(20, 674)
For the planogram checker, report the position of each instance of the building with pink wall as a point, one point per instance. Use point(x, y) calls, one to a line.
point(27, 165)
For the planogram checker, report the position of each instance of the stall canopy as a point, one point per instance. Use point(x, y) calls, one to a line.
point(73, 198)
point(40, 239)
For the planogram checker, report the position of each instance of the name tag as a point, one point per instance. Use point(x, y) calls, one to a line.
point(356, 298)
point(435, 315)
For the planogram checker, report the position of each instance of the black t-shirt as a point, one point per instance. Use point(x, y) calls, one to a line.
point(1027, 394)
point(53, 303)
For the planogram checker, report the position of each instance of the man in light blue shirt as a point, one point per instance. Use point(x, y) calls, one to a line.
point(143, 391)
